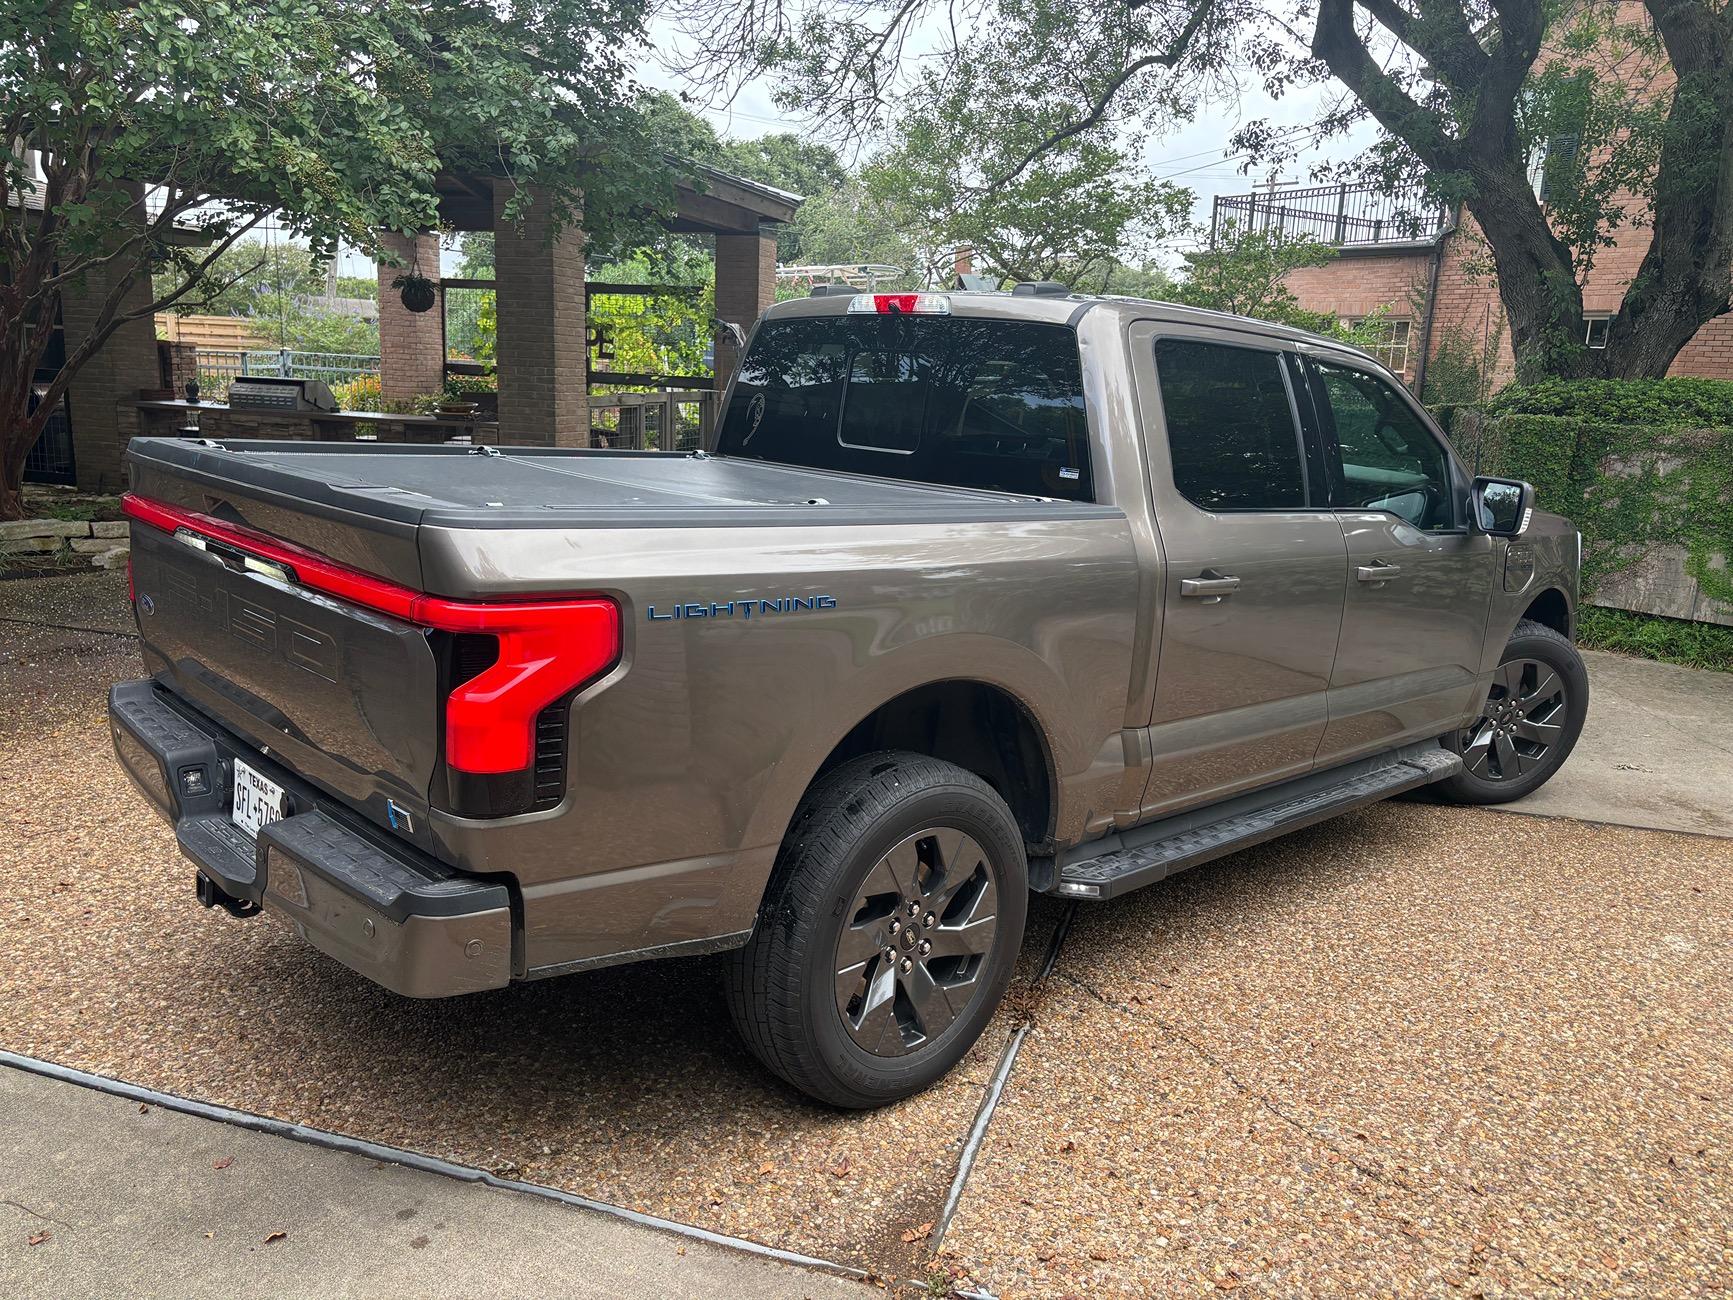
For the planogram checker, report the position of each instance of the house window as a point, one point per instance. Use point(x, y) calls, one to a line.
point(1595, 330)
point(1390, 342)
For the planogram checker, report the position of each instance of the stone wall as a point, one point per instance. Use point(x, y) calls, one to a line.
point(56, 543)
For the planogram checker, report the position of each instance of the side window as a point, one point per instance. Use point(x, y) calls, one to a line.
point(1230, 427)
point(1390, 460)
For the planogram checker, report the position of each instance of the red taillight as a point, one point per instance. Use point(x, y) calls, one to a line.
point(546, 647)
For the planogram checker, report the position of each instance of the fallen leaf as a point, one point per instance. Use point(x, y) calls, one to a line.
point(143, 1109)
point(680, 1251)
point(1610, 1261)
point(274, 1236)
point(1068, 1146)
point(840, 1169)
point(767, 1168)
point(918, 1234)
point(209, 1235)
point(37, 1238)
point(224, 1163)
point(1228, 1283)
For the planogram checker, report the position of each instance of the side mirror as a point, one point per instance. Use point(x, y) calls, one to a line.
point(1502, 506)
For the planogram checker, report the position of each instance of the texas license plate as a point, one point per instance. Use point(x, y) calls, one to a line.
point(259, 801)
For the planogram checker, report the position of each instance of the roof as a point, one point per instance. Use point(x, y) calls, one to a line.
point(713, 202)
point(1067, 309)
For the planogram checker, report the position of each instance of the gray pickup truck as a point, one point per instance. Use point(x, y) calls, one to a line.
point(969, 595)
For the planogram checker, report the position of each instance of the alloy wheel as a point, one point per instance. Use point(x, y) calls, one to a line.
point(915, 945)
point(1523, 720)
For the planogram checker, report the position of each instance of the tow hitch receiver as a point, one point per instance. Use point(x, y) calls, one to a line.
point(213, 896)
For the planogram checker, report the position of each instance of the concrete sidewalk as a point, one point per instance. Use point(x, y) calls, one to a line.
point(1656, 752)
point(151, 1202)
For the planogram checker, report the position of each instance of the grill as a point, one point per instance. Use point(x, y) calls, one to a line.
point(270, 393)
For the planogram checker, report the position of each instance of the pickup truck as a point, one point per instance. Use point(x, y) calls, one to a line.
point(969, 595)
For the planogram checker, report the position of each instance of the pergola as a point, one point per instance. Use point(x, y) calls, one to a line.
point(542, 351)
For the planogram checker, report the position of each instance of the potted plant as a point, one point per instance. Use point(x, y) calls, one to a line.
point(416, 290)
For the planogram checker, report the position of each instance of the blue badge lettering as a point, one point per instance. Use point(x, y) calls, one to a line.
point(744, 609)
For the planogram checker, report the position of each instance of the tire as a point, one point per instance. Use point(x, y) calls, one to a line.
point(857, 854)
point(1501, 768)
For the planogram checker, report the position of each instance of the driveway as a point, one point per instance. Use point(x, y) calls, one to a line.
point(1421, 1049)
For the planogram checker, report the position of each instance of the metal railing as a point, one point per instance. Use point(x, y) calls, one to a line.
point(670, 420)
point(1332, 214)
point(217, 367)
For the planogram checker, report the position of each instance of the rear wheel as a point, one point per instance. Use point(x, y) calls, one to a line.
point(1529, 723)
point(889, 931)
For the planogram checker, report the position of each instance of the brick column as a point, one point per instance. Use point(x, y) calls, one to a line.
point(102, 391)
point(745, 286)
point(411, 344)
point(542, 353)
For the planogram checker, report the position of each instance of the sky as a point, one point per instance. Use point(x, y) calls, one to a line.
point(1193, 154)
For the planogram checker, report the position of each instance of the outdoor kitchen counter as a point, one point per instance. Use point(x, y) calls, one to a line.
point(218, 420)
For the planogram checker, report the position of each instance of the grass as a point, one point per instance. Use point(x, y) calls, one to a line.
point(1671, 640)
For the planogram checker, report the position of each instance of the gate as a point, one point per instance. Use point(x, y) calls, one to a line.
point(50, 460)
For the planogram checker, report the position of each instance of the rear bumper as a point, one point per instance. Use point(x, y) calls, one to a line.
point(381, 908)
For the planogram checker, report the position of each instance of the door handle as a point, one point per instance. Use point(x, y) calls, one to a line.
point(1211, 589)
point(1378, 571)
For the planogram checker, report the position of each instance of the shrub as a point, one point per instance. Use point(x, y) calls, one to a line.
point(1672, 640)
point(358, 394)
point(1673, 403)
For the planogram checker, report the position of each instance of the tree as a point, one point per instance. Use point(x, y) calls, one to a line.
point(147, 138)
point(1465, 95)
point(1246, 274)
point(1074, 214)
point(252, 278)
point(789, 162)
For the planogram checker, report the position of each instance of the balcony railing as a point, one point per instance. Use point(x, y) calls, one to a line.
point(1343, 215)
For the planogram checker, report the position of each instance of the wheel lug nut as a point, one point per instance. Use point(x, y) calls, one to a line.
point(890, 954)
point(896, 925)
point(907, 965)
point(925, 947)
point(914, 908)
point(928, 920)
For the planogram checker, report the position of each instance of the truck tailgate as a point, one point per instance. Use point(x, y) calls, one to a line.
point(343, 695)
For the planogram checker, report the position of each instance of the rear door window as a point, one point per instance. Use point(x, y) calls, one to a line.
point(1231, 432)
point(989, 404)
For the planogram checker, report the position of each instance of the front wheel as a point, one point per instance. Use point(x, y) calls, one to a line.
point(888, 933)
point(1529, 723)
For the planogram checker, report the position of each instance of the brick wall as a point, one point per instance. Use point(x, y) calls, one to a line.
point(411, 344)
point(543, 354)
point(101, 394)
point(745, 286)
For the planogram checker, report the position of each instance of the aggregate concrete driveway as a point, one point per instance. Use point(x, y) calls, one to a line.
point(1421, 1050)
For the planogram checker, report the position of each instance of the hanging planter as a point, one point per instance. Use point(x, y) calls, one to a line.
point(416, 290)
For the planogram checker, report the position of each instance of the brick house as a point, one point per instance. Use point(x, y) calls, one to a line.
point(1429, 270)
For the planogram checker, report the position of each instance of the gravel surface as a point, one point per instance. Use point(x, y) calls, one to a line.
point(627, 1085)
point(1422, 1050)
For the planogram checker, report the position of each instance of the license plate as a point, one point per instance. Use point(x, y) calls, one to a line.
point(259, 801)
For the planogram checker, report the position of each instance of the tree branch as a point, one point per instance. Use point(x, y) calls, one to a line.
point(1337, 44)
point(1175, 51)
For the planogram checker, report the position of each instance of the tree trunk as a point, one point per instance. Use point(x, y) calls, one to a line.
point(1536, 276)
point(19, 430)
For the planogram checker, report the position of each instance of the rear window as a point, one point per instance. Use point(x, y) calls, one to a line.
point(1230, 427)
point(985, 404)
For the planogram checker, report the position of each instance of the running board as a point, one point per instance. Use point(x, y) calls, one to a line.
point(1116, 865)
